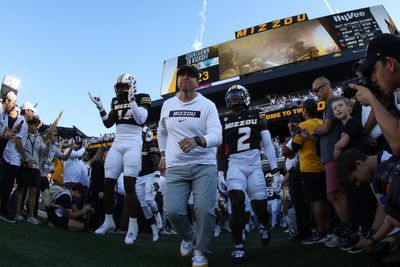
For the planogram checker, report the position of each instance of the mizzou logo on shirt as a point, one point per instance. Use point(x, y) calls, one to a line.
point(185, 113)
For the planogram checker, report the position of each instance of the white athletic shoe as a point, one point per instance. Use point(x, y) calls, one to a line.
point(154, 230)
point(186, 248)
point(104, 228)
point(32, 220)
point(129, 238)
point(199, 260)
point(159, 220)
point(131, 235)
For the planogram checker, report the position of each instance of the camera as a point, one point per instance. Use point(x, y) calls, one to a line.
point(295, 129)
point(363, 81)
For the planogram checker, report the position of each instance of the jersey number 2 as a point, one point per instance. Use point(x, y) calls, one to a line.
point(244, 134)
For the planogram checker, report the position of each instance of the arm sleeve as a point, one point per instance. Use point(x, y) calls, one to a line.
point(58, 153)
point(269, 149)
point(76, 154)
point(214, 129)
point(162, 133)
point(139, 114)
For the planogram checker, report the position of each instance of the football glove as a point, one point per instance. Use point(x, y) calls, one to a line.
point(97, 101)
point(222, 186)
point(131, 94)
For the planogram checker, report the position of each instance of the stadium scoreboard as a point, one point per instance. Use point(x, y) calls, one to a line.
point(267, 46)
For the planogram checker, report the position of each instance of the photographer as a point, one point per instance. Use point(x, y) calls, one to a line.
point(382, 66)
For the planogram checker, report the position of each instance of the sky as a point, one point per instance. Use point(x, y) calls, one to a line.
point(61, 50)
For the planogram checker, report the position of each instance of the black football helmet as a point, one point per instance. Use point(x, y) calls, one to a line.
point(237, 90)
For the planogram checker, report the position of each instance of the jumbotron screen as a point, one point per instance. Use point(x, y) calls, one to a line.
point(280, 47)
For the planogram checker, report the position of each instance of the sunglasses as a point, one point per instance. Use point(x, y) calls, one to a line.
point(316, 90)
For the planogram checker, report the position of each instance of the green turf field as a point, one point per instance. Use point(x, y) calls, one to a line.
point(29, 245)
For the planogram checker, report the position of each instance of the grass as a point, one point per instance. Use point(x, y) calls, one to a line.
point(29, 245)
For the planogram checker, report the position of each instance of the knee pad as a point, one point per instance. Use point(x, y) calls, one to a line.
point(148, 214)
point(153, 205)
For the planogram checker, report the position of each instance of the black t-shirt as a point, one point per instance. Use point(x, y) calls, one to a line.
point(241, 132)
point(149, 149)
point(355, 130)
point(64, 201)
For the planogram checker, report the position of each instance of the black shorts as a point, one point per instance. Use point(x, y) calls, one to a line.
point(313, 186)
point(57, 217)
point(28, 177)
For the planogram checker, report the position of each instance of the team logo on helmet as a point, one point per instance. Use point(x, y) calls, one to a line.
point(124, 83)
point(236, 96)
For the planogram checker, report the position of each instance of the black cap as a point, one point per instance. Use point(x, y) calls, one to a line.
point(384, 45)
point(190, 69)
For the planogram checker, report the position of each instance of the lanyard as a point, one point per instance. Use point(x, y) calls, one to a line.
point(32, 143)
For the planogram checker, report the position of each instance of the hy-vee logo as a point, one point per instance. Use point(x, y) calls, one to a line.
point(349, 16)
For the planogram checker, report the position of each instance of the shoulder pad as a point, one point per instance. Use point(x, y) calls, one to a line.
point(143, 100)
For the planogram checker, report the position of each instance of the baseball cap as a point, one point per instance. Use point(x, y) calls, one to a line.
point(383, 45)
point(190, 69)
point(29, 105)
point(11, 96)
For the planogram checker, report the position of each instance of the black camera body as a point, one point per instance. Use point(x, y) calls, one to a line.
point(363, 81)
point(295, 129)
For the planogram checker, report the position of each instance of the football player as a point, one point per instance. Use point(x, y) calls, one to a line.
point(129, 113)
point(145, 182)
point(243, 130)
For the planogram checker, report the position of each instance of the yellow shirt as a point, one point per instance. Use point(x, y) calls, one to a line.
point(58, 171)
point(309, 159)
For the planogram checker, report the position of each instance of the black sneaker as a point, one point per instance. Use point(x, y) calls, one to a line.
point(265, 235)
point(8, 218)
point(315, 239)
point(239, 255)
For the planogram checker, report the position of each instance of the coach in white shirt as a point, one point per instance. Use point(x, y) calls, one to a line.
point(189, 129)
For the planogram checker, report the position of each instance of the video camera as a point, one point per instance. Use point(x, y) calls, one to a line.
point(363, 81)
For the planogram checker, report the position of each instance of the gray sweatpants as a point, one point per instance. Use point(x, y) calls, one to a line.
point(201, 180)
